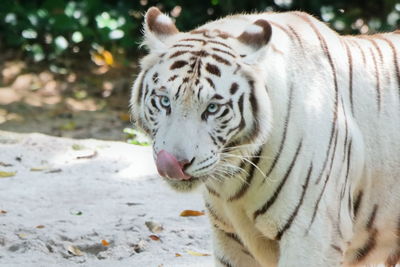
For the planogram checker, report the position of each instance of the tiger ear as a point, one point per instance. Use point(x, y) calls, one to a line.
point(256, 37)
point(157, 29)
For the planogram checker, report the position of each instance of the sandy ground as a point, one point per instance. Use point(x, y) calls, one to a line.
point(68, 195)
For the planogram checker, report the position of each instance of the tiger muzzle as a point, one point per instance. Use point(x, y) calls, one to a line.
point(168, 166)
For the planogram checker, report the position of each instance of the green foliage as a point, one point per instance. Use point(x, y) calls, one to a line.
point(56, 30)
point(136, 138)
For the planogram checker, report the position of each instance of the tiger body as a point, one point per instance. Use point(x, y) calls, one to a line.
point(311, 132)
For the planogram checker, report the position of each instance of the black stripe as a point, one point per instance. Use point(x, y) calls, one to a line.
point(154, 104)
point(357, 203)
point(182, 45)
point(232, 129)
point(325, 183)
point(254, 107)
point(219, 43)
point(214, 141)
point(338, 249)
point(288, 33)
point(296, 210)
point(378, 86)
point(363, 252)
point(221, 139)
point(347, 171)
point(221, 59)
point(281, 145)
point(205, 167)
point(178, 53)
point(193, 40)
point(214, 215)
point(178, 91)
point(210, 82)
point(245, 185)
point(375, 44)
point(346, 130)
point(372, 216)
point(172, 78)
point(395, 61)
point(252, 98)
point(297, 36)
point(140, 88)
point(224, 262)
point(199, 91)
point(218, 96)
point(213, 69)
point(212, 191)
point(361, 51)
point(224, 113)
point(240, 104)
point(155, 77)
point(201, 53)
point(350, 63)
point(223, 51)
point(178, 64)
point(234, 88)
point(234, 237)
point(273, 198)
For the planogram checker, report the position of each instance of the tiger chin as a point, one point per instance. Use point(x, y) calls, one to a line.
point(290, 128)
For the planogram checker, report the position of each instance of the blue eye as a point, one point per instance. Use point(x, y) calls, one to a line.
point(165, 102)
point(212, 108)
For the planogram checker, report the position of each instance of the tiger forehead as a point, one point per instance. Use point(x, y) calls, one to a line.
point(200, 57)
point(202, 47)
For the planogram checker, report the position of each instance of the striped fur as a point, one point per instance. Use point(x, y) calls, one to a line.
point(292, 129)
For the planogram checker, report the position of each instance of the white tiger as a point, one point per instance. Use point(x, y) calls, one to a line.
point(293, 130)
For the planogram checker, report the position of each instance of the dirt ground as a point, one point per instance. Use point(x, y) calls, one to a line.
point(86, 101)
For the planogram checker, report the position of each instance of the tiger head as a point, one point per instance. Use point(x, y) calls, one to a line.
point(201, 97)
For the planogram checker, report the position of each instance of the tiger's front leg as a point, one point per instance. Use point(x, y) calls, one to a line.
point(229, 251)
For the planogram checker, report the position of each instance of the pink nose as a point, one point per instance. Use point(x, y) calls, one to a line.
point(169, 166)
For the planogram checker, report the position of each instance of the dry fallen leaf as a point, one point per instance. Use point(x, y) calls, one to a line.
point(69, 126)
point(124, 117)
point(77, 147)
point(187, 213)
point(74, 250)
point(40, 226)
point(178, 255)
point(75, 212)
point(54, 171)
point(105, 243)
point(7, 174)
point(94, 154)
point(154, 237)
point(39, 169)
point(195, 253)
point(3, 211)
point(154, 227)
point(22, 235)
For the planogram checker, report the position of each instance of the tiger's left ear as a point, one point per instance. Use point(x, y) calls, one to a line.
point(157, 29)
point(256, 37)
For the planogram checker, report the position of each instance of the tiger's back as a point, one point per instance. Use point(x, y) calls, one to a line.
point(323, 186)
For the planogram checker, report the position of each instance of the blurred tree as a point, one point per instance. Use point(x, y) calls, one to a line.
point(57, 31)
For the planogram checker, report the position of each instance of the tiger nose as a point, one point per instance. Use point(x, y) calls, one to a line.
point(168, 166)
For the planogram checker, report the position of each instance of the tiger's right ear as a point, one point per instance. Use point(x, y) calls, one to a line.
point(157, 29)
point(256, 37)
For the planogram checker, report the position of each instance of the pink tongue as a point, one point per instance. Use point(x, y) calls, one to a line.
point(169, 166)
